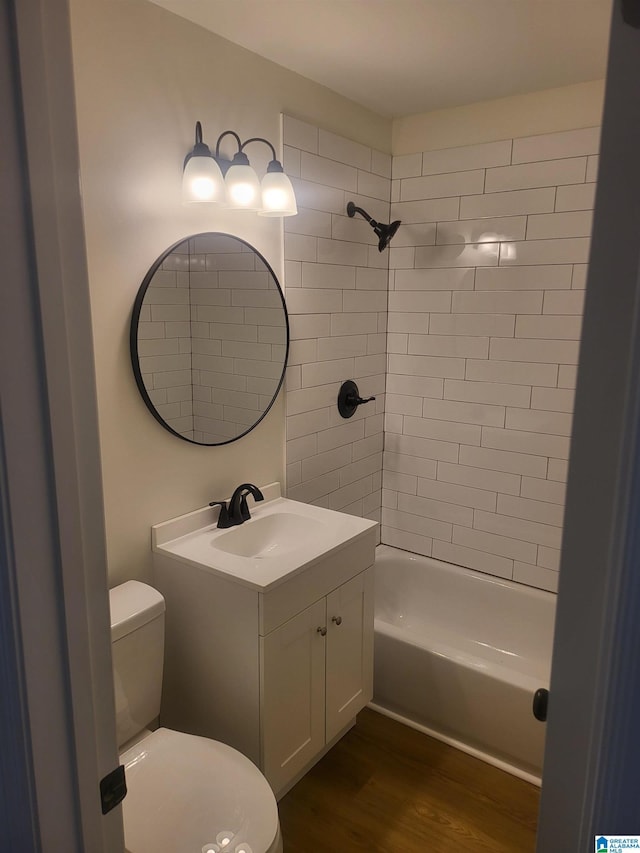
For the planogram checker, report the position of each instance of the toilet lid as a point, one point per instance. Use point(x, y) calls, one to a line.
point(186, 793)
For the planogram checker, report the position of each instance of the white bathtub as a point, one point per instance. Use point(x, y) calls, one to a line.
point(459, 655)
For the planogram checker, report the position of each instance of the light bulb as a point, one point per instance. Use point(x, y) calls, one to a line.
point(278, 197)
point(243, 187)
point(202, 181)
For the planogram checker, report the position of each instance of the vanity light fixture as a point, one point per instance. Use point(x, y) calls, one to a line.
point(233, 183)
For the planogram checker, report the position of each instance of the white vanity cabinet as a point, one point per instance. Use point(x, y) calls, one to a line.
point(316, 673)
point(278, 670)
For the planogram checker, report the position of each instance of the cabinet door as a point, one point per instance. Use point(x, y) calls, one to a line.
point(349, 676)
point(292, 676)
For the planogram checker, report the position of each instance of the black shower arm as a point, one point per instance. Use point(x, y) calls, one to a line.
point(362, 212)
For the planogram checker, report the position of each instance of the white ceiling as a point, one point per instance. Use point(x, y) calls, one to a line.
point(399, 57)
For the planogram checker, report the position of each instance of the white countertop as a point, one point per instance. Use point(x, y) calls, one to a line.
point(296, 537)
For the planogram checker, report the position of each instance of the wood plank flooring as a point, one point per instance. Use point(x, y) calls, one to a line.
point(386, 787)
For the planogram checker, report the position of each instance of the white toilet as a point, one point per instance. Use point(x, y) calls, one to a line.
point(186, 794)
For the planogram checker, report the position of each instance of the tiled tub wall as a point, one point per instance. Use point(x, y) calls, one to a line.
point(486, 291)
point(336, 291)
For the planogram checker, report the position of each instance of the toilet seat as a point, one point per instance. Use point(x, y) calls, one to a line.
point(184, 790)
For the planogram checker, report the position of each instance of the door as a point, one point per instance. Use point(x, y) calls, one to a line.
point(592, 751)
point(56, 706)
point(292, 675)
point(349, 651)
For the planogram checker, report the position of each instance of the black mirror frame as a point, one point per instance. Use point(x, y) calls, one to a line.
point(133, 337)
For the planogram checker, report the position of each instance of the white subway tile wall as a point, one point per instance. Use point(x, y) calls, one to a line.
point(336, 285)
point(480, 297)
point(495, 366)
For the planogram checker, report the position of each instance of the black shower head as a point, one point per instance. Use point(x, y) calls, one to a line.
point(383, 232)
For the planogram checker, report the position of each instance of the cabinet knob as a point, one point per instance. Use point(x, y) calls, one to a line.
point(322, 631)
point(337, 620)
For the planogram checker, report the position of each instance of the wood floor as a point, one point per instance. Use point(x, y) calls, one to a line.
point(386, 787)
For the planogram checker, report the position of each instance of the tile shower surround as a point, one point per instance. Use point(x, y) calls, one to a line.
point(485, 293)
point(336, 290)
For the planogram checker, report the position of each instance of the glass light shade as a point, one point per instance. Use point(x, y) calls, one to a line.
point(243, 188)
point(278, 197)
point(202, 181)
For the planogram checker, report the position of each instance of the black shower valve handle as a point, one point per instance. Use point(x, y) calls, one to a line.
point(349, 398)
point(354, 400)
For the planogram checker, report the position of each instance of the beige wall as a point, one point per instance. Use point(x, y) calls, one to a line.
point(549, 111)
point(143, 77)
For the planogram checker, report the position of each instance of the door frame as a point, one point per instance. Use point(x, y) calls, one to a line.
point(55, 678)
point(593, 740)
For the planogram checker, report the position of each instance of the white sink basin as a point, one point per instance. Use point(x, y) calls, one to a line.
point(281, 538)
point(270, 536)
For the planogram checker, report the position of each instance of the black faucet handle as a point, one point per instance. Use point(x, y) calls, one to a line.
point(223, 515)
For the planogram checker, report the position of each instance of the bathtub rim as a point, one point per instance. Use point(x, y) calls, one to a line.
point(532, 591)
point(473, 751)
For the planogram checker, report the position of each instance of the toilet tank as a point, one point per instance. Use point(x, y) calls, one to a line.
point(137, 646)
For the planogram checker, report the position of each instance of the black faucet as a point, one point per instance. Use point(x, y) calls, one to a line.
point(238, 507)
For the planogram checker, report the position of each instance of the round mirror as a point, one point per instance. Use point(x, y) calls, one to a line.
point(209, 338)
